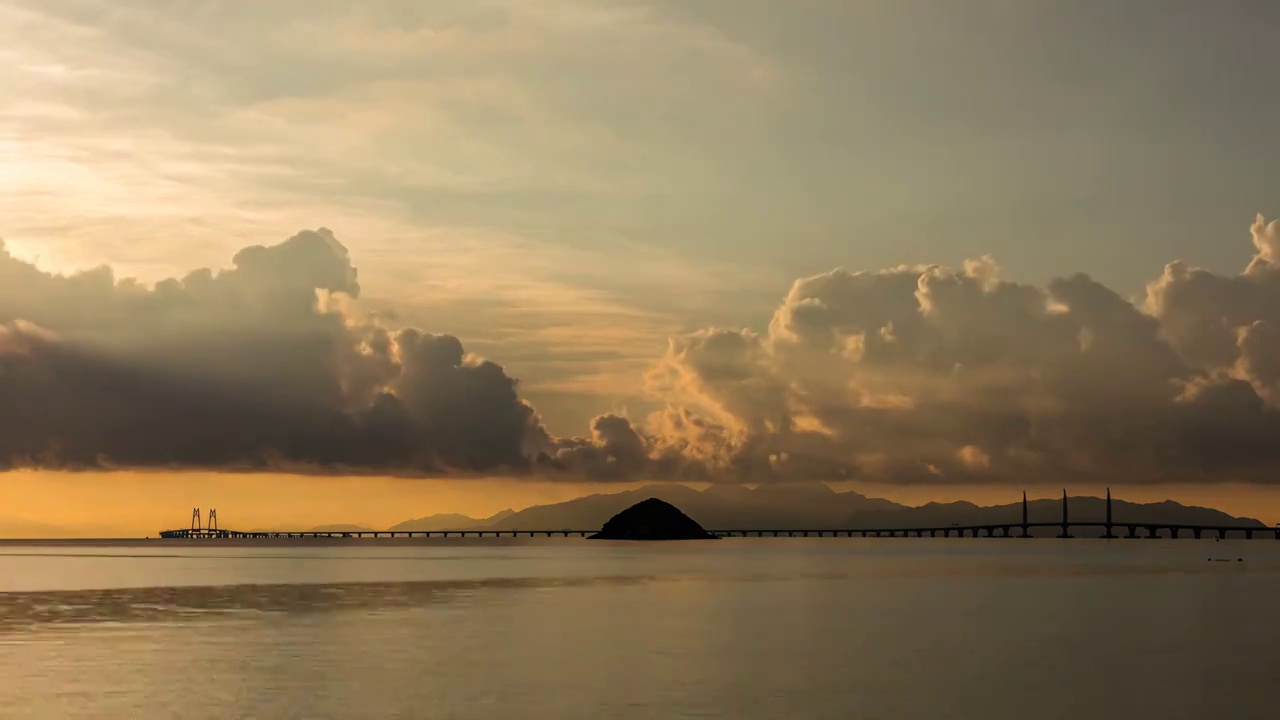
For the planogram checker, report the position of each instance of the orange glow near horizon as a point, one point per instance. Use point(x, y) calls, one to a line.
point(143, 503)
point(124, 504)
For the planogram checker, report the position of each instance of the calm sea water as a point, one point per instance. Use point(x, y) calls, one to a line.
point(568, 628)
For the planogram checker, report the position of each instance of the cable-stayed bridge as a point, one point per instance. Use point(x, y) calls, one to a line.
point(1013, 529)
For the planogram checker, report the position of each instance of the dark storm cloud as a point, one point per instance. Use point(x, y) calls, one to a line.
point(908, 374)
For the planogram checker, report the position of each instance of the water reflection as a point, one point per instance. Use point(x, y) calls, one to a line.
point(26, 611)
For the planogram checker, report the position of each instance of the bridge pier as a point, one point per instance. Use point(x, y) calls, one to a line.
point(1133, 531)
point(1152, 532)
point(1222, 533)
point(1173, 533)
point(1248, 534)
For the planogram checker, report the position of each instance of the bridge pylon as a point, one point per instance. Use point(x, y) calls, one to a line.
point(1109, 534)
point(1066, 526)
point(195, 519)
point(1026, 531)
point(213, 519)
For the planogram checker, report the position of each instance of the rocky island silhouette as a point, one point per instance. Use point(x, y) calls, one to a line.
point(652, 519)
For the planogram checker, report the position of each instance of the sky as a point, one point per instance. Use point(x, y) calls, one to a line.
point(906, 243)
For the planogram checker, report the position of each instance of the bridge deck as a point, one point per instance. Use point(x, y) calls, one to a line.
point(985, 530)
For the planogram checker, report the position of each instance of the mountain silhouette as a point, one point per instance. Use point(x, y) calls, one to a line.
point(340, 527)
point(781, 506)
point(451, 521)
point(816, 506)
point(1080, 509)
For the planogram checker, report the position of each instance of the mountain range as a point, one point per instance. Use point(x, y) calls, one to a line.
point(815, 506)
point(451, 521)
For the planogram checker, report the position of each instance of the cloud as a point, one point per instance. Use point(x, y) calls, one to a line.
point(259, 365)
point(955, 375)
point(910, 374)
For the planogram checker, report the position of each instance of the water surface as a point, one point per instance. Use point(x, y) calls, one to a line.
point(568, 628)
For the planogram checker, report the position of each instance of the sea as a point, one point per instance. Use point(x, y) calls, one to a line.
point(559, 628)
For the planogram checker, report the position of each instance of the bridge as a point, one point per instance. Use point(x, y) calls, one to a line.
point(211, 531)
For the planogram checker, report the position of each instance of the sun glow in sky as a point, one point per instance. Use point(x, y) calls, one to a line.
point(581, 190)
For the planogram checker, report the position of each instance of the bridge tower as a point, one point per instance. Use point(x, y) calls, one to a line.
point(1065, 523)
point(195, 519)
point(213, 519)
point(1109, 534)
point(1025, 530)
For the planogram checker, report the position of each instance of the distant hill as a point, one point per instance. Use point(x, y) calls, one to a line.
point(1080, 509)
point(451, 521)
point(816, 506)
point(811, 506)
point(339, 528)
point(780, 505)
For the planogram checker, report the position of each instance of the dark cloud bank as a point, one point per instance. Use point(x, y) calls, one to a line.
point(913, 374)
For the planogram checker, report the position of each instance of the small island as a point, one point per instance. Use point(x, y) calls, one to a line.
point(652, 519)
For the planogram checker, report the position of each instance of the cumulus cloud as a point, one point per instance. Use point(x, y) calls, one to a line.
point(909, 374)
point(956, 375)
point(254, 366)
